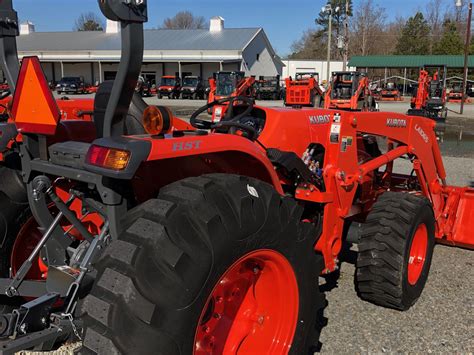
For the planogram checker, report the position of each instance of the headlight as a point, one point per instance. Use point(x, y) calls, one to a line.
point(58, 86)
point(193, 89)
point(73, 86)
point(170, 89)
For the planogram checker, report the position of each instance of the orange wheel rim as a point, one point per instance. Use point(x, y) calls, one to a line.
point(417, 256)
point(252, 309)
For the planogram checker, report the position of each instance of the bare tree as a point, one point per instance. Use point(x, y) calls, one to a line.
point(184, 20)
point(368, 28)
point(89, 21)
point(435, 17)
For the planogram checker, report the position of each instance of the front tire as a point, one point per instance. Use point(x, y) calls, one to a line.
point(395, 250)
point(156, 286)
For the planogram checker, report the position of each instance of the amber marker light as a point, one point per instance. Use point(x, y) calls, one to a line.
point(157, 120)
point(108, 158)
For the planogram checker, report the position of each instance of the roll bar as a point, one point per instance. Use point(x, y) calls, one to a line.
point(9, 29)
point(131, 14)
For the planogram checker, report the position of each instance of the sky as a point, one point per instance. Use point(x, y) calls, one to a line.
point(284, 21)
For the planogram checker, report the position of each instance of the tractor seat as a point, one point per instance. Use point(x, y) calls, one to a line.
point(133, 122)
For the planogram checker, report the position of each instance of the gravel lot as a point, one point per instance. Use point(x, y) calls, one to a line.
point(442, 321)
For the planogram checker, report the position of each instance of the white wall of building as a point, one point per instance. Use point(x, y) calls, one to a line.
point(293, 66)
point(258, 60)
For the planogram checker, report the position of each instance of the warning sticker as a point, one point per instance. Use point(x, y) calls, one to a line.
point(337, 118)
point(335, 133)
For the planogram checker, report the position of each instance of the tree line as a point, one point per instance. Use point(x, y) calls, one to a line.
point(438, 28)
point(184, 20)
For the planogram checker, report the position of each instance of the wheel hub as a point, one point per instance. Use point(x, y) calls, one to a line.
point(253, 307)
point(417, 256)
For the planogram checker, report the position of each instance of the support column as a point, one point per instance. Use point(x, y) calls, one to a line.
point(404, 81)
point(200, 70)
point(180, 71)
point(221, 66)
point(92, 74)
point(62, 69)
point(385, 79)
point(101, 78)
point(54, 72)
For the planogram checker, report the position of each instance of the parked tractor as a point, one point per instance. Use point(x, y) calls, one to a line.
point(224, 88)
point(268, 88)
point(303, 91)
point(138, 233)
point(429, 99)
point(350, 91)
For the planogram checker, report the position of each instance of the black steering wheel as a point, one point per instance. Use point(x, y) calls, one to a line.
point(229, 121)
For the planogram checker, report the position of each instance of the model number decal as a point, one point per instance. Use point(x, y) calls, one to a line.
point(181, 146)
point(396, 122)
point(320, 119)
point(422, 133)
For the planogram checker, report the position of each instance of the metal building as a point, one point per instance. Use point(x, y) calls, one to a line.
point(95, 55)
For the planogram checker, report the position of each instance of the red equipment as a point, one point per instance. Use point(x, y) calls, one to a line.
point(304, 90)
point(429, 99)
point(349, 91)
point(455, 93)
point(226, 85)
point(390, 92)
point(170, 87)
point(208, 237)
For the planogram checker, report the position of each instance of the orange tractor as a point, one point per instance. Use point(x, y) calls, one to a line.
point(227, 85)
point(429, 98)
point(303, 90)
point(350, 91)
point(140, 233)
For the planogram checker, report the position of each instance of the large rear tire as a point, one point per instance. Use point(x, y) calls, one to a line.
point(395, 250)
point(158, 286)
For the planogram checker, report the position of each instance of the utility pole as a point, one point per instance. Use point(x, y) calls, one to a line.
point(329, 46)
point(346, 38)
point(329, 10)
point(466, 56)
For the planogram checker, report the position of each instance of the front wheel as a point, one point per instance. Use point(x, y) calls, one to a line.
point(217, 264)
point(395, 250)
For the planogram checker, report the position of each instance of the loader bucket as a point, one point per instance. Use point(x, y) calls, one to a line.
point(462, 230)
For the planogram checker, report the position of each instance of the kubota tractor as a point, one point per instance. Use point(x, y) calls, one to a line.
point(227, 85)
point(429, 98)
point(304, 91)
point(139, 233)
point(350, 91)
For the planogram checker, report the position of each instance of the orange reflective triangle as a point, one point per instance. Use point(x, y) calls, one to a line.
point(34, 108)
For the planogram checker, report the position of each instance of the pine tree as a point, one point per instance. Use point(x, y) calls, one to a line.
point(450, 42)
point(415, 37)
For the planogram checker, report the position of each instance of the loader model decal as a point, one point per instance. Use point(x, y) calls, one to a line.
point(422, 133)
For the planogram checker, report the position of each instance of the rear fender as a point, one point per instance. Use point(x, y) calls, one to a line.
point(173, 159)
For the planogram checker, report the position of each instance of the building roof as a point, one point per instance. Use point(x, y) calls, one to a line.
point(155, 40)
point(409, 61)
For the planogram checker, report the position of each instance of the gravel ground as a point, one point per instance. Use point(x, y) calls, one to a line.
point(442, 321)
